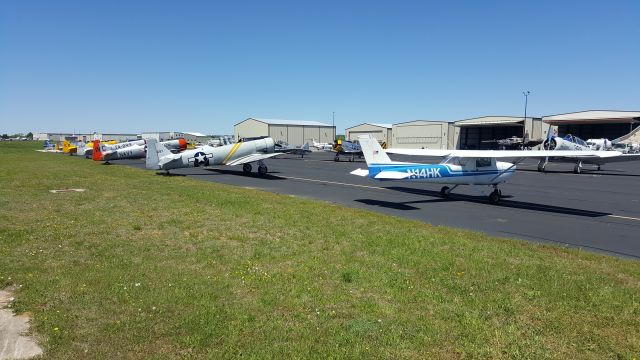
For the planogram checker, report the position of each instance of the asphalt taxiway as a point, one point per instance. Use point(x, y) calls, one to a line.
point(596, 210)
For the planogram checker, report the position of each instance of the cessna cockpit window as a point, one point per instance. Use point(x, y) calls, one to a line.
point(483, 162)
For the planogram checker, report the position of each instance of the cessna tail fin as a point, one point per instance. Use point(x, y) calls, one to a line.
point(372, 151)
point(97, 151)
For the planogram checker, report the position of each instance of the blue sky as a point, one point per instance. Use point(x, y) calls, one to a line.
point(132, 66)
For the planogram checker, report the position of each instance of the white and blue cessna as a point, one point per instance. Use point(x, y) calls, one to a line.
point(459, 167)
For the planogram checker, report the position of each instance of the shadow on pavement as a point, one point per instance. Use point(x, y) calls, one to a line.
point(504, 203)
point(253, 174)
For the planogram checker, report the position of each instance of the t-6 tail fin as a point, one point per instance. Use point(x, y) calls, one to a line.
point(68, 148)
point(155, 151)
point(372, 151)
point(97, 151)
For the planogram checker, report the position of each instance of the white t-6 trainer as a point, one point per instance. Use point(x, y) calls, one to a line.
point(240, 153)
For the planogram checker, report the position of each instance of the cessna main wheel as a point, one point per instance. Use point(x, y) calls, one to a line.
point(246, 168)
point(444, 191)
point(494, 197)
point(262, 169)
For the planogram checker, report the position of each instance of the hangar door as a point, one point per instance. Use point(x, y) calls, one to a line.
point(597, 131)
point(278, 132)
point(416, 136)
point(477, 137)
point(377, 134)
point(310, 134)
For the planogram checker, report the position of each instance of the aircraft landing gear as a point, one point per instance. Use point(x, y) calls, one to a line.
point(495, 195)
point(598, 167)
point(336, 158)
point(262, 168)
point(578, 168)
point(446, 191)
point(541, 166)
point(246, 168)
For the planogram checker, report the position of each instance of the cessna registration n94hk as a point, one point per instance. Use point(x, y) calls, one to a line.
point(241, 153)
point(459, 167)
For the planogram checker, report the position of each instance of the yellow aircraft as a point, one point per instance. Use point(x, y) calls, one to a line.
point(68, 148)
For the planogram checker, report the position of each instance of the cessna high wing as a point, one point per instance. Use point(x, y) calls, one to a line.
point(459, 167)
point(241, 153)
point(574, 143)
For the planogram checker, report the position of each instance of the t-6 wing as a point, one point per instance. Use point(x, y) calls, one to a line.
point(251, 158)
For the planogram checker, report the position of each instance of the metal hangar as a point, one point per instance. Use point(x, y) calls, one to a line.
point(476, 133)
point(595, 124)
point(294, 132)
point(423, 134)
point(381, 132)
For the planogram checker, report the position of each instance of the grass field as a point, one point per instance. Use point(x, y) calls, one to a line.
point(147, 266)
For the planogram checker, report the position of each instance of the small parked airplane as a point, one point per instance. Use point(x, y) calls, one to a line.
point(514, 143)
point(321, 146)
point(285, 148)
point(348, 148)
point(69, 148)
point(460, 167)
point(136, 149)
point(241, 153)
point(574, 143)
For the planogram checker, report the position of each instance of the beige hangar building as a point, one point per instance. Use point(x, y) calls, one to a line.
point(465, 134)
point(294, 132)
point(475, 133)
point(381, 132)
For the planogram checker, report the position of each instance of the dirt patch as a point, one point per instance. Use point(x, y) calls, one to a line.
point(13, 343)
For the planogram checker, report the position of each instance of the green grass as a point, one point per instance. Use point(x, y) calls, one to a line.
point(146, 266)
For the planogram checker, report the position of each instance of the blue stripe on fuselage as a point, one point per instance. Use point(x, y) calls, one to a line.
point(425, 171)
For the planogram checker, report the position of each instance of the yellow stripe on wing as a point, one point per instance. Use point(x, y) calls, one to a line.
point(233, 150)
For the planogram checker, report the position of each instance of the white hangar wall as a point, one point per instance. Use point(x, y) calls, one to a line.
point(294, 132)
point(381, 132)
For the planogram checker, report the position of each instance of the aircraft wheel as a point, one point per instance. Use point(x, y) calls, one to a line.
point(494, 197)
point(444, 191)
point(336, 158)
point(577, 169)
point(246, 168)
point(598, 167)
point(262, 170)
point(541, 167)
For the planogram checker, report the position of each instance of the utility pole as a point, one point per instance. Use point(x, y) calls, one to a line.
point(526, 100)
point(333, 122)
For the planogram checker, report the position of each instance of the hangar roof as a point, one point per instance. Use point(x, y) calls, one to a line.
point(194, 134)
point(413, 122)
point(593, 117)
point(388, 126)
point(492, 120)
point(288, 122)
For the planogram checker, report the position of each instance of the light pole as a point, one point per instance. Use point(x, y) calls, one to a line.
point(333, 123)
point(526, 100)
